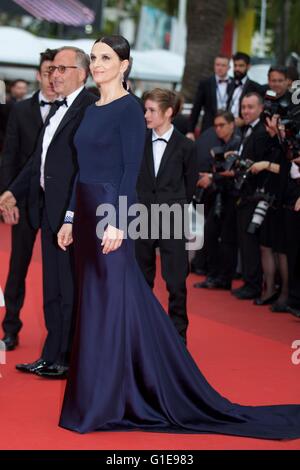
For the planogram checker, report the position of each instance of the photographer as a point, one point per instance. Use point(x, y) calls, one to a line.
point(290, 194)
point(279, 234)
point(220, 228)
point(293, 251)
point(272, 233)
point(255, 143)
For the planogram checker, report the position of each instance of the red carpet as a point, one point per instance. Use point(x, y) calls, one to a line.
point(244, 351)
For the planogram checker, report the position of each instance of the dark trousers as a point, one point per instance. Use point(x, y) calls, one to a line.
point(174, 268)
point(293, 255)
point(58, 291)
point(249, 245)
point(22, 241)
point(200, 259)
point(220, 238)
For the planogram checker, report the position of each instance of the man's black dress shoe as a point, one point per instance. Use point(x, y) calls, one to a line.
point(198, 271)
point(219, 284)
point(54, 371)
point(267, 301)
point(10, 341)
point(247, 294)
point(33, 367)
point(239, 289)
point(294, 311)
point(279, 308)
point(205, 284)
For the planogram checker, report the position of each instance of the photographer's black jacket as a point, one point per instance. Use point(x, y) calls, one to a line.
point(256, 148)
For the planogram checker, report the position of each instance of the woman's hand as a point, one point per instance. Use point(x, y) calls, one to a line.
point(64, 236)
point(258, 167)
point(112, 239)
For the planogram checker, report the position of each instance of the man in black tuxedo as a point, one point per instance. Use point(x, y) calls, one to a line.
point(48, 178)
point(254, 146)
point(241, 87)
point(24, 125)
point(212, 95)
point(168, 176)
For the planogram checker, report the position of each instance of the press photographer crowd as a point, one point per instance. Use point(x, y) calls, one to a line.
point(250, 184)
point(247, 141)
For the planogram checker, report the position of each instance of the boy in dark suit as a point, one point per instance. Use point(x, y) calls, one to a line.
point(168, 175)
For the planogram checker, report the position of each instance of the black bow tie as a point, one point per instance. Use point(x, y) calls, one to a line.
point(247, 128)
point(59, 103)
point(45, 103)
point(223, 81)
point(160, 140)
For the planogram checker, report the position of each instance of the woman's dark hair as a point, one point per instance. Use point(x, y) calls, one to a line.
point(165, 99)
point(227, 115)
point(120, 45)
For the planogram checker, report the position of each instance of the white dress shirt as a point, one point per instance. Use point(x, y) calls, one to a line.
point(44, 109)
point(295, 171)
point(222, 95)
point(159, 147)
point(236, 98)
point(52, 128)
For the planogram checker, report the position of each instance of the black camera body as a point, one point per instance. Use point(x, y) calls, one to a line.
point(291, 123)
point(289, 117)
point(222, 163)
point(232, 162)
point(274, 105)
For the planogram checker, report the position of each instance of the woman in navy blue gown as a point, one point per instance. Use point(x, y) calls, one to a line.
point(130, 369)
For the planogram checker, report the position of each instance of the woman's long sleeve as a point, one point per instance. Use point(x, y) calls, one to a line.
point(132, 132)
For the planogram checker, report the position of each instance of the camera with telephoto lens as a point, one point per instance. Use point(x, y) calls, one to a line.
point(291, 123)
point(274, 105)
point(265, 200)
point(242, 172)
point(222, 163)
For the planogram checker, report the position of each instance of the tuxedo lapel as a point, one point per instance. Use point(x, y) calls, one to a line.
point(245, 89)
point(230, 90)
point(36, 112)
point(170, 149)
point(213, 91)
point(71, 113)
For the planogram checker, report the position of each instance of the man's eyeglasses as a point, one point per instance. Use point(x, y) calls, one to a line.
point(61, 68)
point(219, 125)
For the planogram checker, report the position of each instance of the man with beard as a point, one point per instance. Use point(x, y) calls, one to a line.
point(243, 86)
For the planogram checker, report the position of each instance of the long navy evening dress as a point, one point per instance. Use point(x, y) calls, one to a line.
point(130, 368)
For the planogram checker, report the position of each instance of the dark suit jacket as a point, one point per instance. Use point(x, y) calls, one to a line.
point(60, 168)
point(256, 148)
point(24, 125)
point(249, 87)
point(5, 110)
point(206, 98)
point(177, 175)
